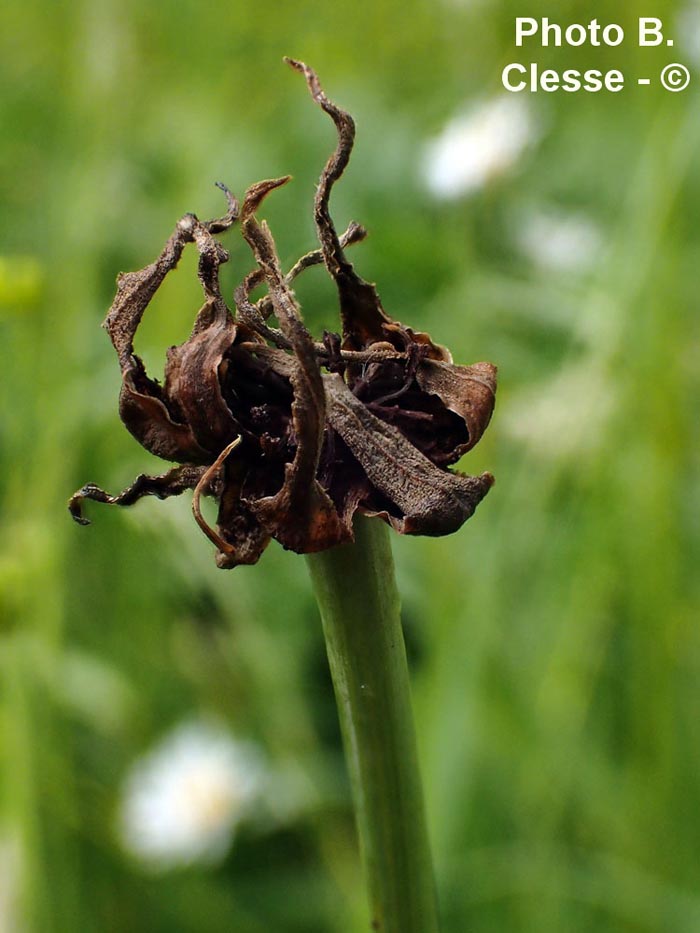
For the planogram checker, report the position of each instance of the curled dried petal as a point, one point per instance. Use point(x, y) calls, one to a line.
point(426, 500)
point(469, 391)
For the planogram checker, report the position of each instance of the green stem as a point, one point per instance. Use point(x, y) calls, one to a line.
point(360, 609)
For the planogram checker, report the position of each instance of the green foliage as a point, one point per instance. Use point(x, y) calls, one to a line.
point(554, 639)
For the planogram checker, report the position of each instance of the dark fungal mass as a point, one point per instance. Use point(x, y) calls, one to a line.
point(290, 435)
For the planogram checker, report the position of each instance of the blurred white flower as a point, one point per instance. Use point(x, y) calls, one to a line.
point(478, 146)
point(182, 800)
point(566, 415)
point(560, 242)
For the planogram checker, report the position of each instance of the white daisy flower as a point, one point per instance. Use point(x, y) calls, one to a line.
point(478, 146)
point(560, 242)
point(183, 800)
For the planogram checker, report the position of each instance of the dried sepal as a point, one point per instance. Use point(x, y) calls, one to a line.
point(421, 498)
point(316, 525)
point(362, 316)
point(361, 312)
point(246, 540)
point(158, 416)
point(172, 483)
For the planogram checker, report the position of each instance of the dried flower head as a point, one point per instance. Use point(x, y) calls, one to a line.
point(289, 451)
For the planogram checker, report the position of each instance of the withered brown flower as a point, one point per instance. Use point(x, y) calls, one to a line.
point(289, 451)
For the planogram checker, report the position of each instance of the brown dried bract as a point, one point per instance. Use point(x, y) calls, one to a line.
point(246, 410)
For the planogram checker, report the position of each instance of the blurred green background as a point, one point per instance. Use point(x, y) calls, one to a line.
point(554, 640)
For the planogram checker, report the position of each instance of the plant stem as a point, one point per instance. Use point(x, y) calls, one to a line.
point(360, 609)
